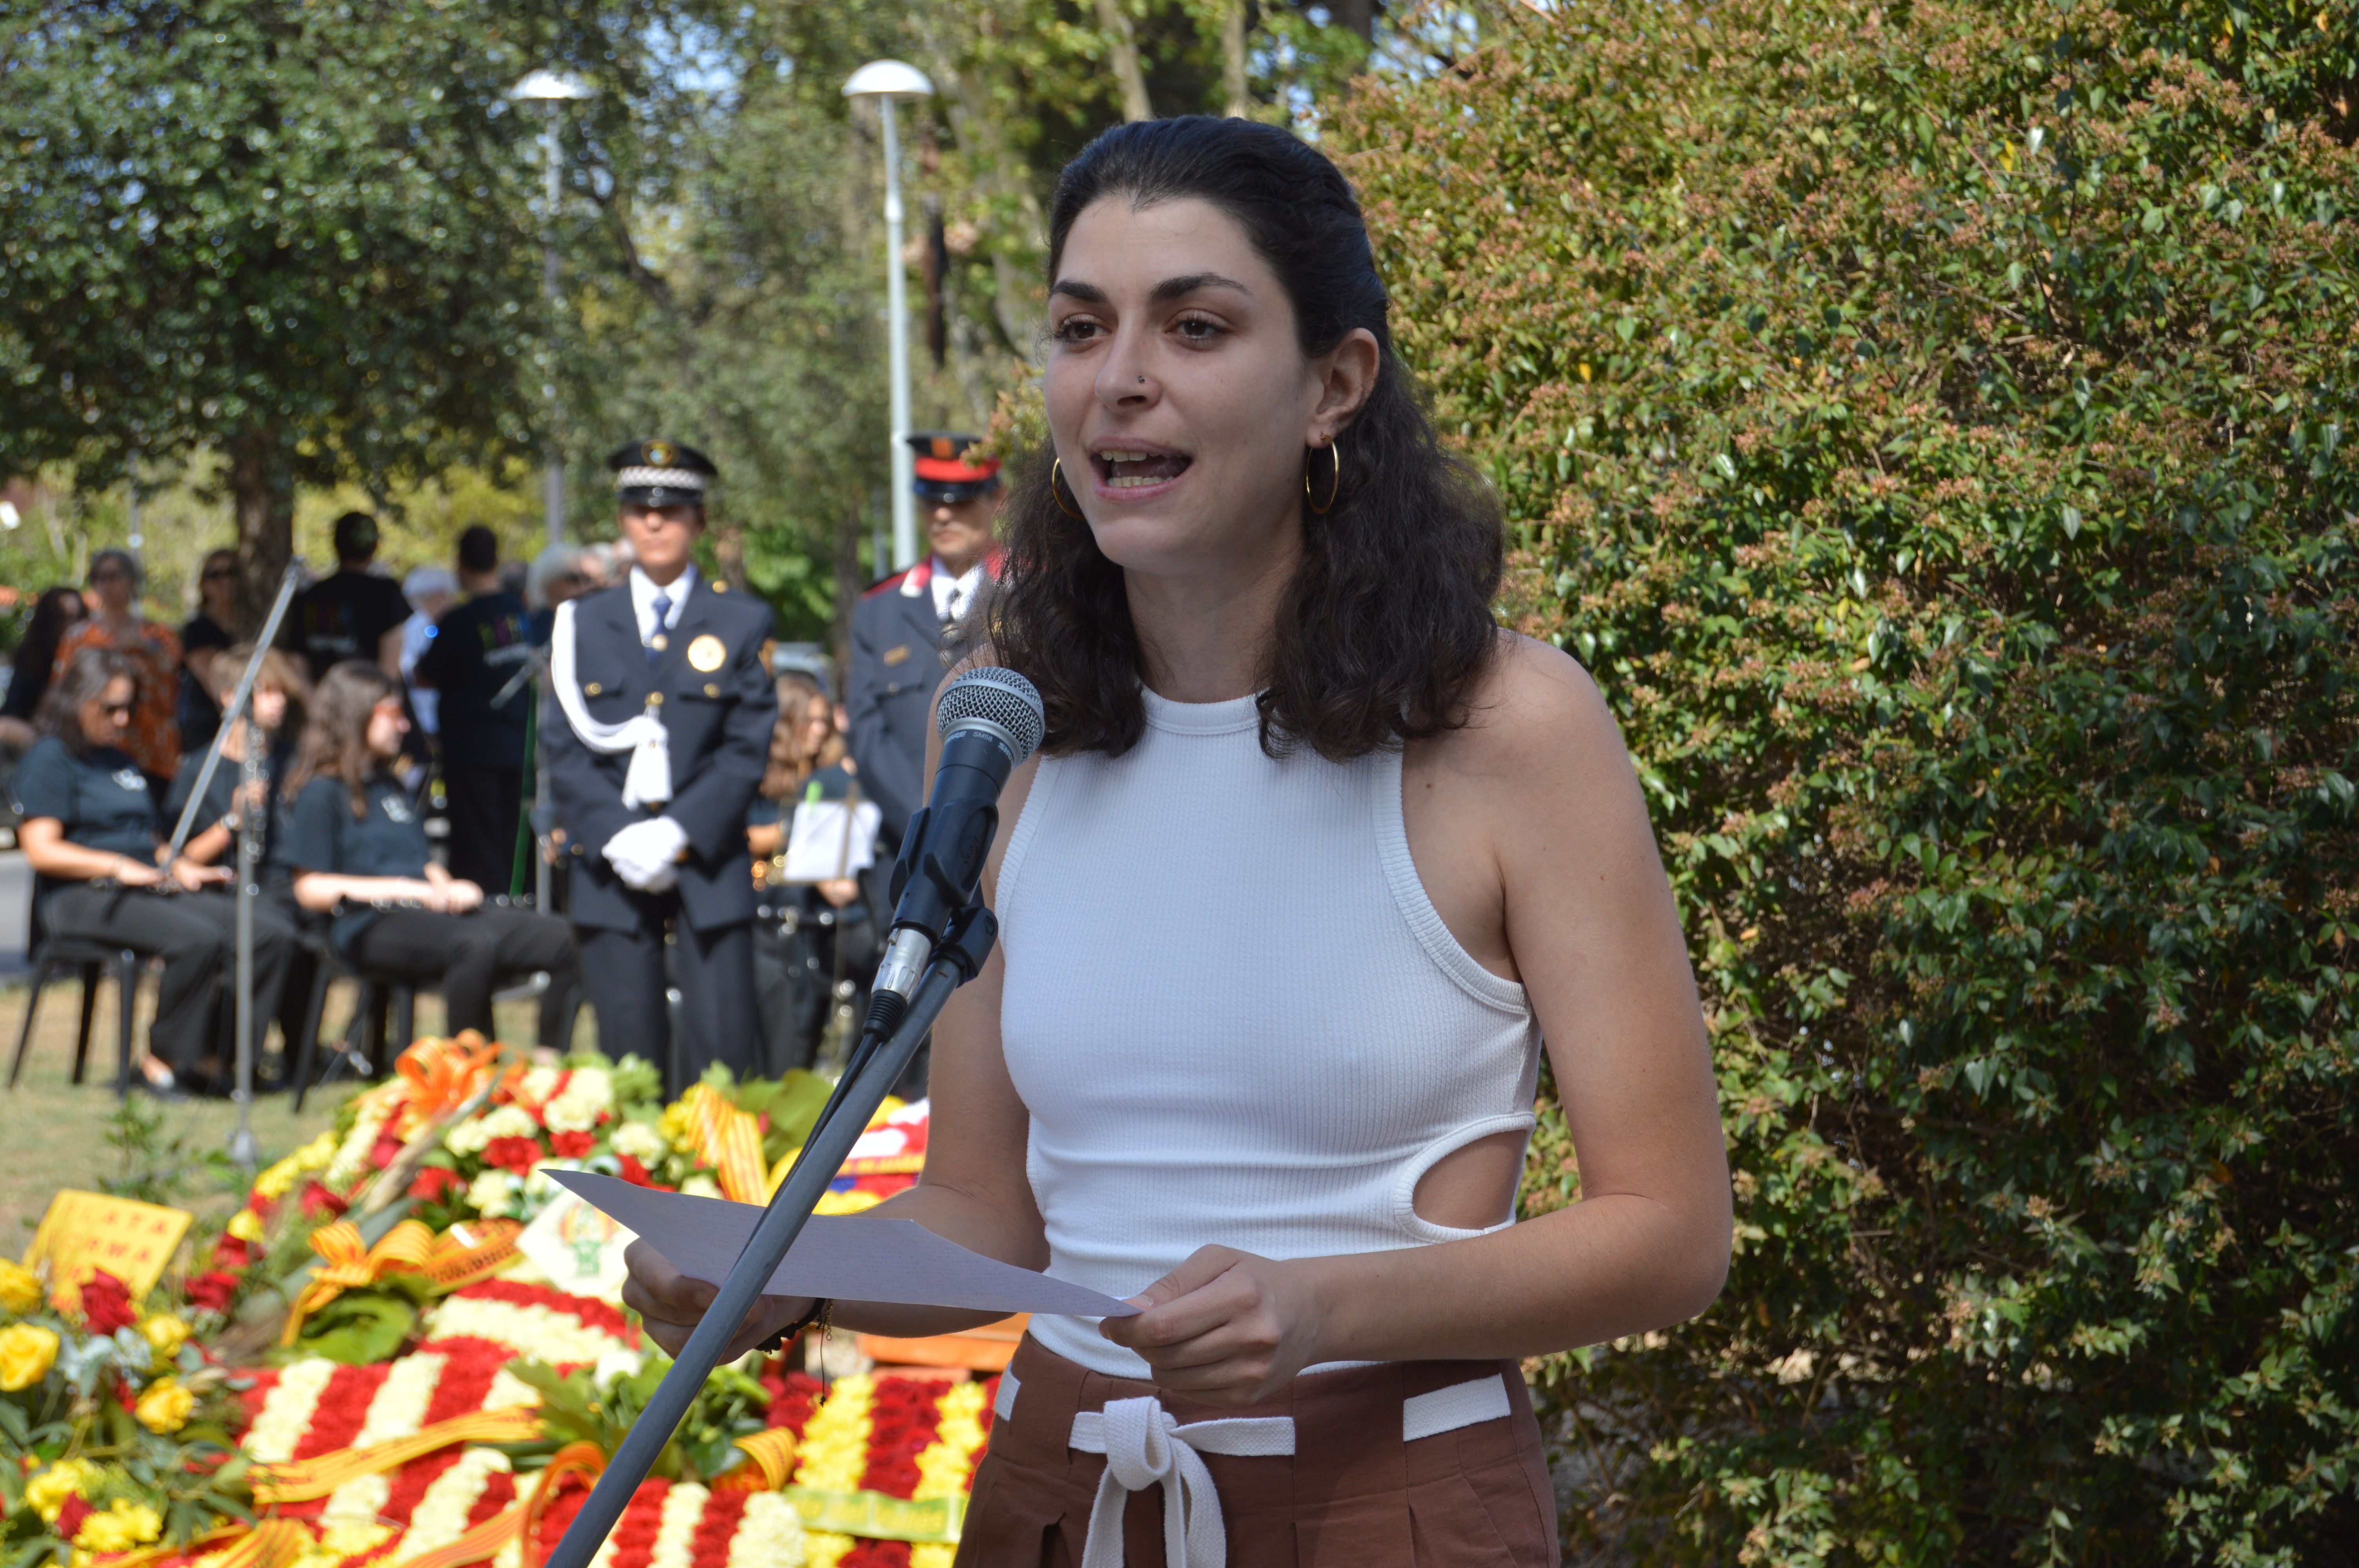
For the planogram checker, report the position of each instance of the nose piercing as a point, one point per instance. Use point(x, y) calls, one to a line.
point(1142, 381)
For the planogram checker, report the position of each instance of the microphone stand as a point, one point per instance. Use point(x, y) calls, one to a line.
point(868, 1076)
point(241, 1147)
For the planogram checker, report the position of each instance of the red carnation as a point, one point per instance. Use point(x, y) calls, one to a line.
point(211, 1291)
point(318, 1200)
point(106, 1303)
point(231, 1252)
point(383, 1152)
point(517, 1154)
point(573, 1145)
point(433, 1182)
point(71, 1515)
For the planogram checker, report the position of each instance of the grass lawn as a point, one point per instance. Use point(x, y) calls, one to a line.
point(53, 1134)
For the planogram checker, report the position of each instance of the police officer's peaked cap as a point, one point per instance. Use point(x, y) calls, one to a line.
point(661, 473)
point(944, 474)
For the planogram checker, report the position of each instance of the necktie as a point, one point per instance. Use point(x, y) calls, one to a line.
point(662, 608)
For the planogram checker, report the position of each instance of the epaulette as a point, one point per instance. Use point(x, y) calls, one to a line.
point(893, 581)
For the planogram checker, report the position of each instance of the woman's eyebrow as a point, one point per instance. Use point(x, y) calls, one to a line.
point(1172, 288)
point(1087, 293)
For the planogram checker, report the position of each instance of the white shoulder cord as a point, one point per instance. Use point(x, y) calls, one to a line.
point(649, 780)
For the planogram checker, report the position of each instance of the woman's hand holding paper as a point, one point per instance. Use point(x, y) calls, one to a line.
point(671, 1305)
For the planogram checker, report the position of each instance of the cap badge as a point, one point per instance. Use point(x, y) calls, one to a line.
point(661, 454)
point(706, 654)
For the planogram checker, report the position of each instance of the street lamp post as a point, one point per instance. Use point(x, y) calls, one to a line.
point(887, 82)
point(551, 92)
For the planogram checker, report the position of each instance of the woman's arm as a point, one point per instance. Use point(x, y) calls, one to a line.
point(322, 890)
point(50, 852)
point(1529, 831)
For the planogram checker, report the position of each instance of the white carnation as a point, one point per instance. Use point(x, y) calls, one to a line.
point(589, 1095)
point(701, 1185)
point(641, 1142)
point(489, 1194)
point(537, 1085)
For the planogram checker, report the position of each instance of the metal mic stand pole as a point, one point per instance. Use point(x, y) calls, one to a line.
point(249, 869)
point(961, 953)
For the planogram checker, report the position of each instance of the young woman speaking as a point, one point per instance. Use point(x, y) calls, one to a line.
point(1316, 859)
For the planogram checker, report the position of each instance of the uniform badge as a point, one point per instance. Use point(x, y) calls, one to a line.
point(706, 654)
point(661, 454)
point(895, 655)
point(130, 779)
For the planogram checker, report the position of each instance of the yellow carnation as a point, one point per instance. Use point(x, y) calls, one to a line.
point(165, 1406)
point(46, 1493)
point(166, 1333)
point(123, 1525)
point(274, 1183)
point(245, 1224)
point(27, 1351)
point(20, 1288)
point(677, 1124)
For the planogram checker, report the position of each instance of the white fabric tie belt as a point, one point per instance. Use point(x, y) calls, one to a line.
point(649, 782)
point(1145, 1445)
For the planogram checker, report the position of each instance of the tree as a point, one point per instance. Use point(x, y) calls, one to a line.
point(292, 232)
point(1933, 426)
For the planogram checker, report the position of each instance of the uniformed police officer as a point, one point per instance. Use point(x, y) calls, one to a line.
point(667, 714)
point(909, 628)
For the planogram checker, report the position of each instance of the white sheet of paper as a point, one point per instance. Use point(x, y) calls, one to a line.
point(852, 1258)
point(832, 839)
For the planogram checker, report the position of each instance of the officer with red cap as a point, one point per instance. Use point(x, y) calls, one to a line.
point(912, 626)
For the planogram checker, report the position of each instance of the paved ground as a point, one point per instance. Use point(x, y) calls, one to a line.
point(53, 1134)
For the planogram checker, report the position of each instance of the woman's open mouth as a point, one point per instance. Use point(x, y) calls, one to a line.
point(1121, 468)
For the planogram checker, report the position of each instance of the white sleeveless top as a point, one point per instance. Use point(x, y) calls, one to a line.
point(1233, 1012)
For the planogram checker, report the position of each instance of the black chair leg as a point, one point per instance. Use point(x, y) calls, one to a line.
point(405, 1018)
point(126, 973)
point(32, 1006)
point(90, 974)
point(306, 1049)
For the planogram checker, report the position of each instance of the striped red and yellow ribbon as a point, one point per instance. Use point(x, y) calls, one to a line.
point(729, 1140)
point(346, 1264)
point(301, 1480)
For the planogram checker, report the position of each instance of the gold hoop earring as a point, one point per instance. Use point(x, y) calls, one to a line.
point(1058, 490)
point(1335, 456)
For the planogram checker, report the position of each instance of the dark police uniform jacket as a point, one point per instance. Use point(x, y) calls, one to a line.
point(717, 724)
point(900, 650)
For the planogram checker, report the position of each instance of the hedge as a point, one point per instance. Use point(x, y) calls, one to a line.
point(1933, 424)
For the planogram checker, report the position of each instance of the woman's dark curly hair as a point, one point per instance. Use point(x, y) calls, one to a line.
point(1387, 622)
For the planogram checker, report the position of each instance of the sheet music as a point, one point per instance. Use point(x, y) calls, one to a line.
point(856, 1258)
point(832, 839)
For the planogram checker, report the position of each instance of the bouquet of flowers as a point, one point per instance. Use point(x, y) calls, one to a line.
point(115, 1432)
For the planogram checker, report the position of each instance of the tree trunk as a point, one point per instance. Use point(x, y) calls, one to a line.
point(1233, 60)
point(262, 493)
point(729, 554)
point(1360, 15)
point(1122, 53)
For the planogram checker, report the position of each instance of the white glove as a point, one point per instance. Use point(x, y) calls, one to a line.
point(646, 854)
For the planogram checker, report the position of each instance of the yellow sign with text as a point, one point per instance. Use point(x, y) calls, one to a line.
point(87, 1231)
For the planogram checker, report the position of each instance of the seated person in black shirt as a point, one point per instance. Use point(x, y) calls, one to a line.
point(356, 843)
point(277, 708)
point(92, 834)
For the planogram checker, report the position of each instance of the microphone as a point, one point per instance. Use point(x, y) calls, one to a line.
point(990, 719)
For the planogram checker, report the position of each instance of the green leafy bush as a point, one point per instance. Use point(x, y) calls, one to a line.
point(1933, 425)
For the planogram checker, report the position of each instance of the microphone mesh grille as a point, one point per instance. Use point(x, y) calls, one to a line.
point(1001, 696)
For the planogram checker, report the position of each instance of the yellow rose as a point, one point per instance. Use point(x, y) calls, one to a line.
point(20, 1288)
point(123, 1525)
point(245, 1224)
point(27, 1351)
point(165, 1406)
point(166, 1334)
point(46, 1493)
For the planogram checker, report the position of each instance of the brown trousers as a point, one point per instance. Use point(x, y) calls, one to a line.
point(1353, 1495)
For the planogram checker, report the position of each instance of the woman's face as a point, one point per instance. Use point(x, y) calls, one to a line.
point(1178, 400)
point(270, 706)
point(387, 726)
point(71, 608)
point(819, 719)
point(106, 718)
point(219, 586)
point(112, 583)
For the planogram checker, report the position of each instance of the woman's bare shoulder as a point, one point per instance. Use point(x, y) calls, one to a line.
point(1535, 707)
